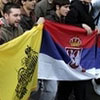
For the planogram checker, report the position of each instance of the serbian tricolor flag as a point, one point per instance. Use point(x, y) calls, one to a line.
point(62, 44)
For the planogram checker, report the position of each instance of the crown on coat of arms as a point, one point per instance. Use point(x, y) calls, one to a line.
point(75, 41)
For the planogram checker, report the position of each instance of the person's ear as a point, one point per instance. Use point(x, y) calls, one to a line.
point(5, 15)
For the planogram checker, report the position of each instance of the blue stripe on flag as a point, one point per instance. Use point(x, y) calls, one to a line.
point(88, 58)
point(50, 48)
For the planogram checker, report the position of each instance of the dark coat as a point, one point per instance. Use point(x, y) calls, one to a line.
point(43, 8)
point(79, 14)
point(27, 22)
point(53, 17)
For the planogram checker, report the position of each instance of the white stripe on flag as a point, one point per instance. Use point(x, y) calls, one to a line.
point(52, 69)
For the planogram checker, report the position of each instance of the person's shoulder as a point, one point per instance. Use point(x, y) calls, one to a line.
point(76, 5)
point(52, 17)
point(2, 36)
point(20, 29)
point(75, 2)
point(41, 3)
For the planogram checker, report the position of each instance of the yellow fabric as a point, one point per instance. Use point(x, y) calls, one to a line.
point(18, 65)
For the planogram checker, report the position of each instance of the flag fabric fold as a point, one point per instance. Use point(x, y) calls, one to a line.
point(62, 44)
point(18, 65)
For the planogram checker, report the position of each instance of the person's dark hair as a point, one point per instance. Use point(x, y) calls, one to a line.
point(8, 6)
point(20, 1)
point(60, 3)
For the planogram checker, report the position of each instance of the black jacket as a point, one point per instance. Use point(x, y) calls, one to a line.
point(27, 22)
point(53, 17)
point(79, 14)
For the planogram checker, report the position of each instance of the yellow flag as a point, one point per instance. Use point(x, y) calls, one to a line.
point(18, 65)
